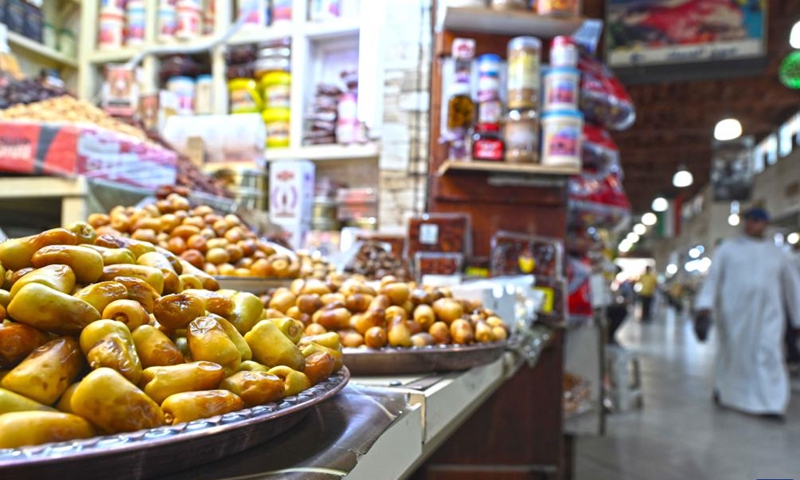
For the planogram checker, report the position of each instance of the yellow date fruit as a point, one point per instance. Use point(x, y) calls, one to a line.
point(272, 348)
point(208, 341)
point(114, 256)
point(57, 277)
point(293, 329)
point(17, 341)
point(190, 406)
point(138, 248)
point(17, 253)
point(14, 402)
point(20, 429)
point(129, 312)
point(178, 310)
point(214, 302)
point(65, 402)
point(319, 366)
point(152, 276)
point(254, 387)
point(294, 382)
point(161, 382)
point(113, 404)
point(87, 264)
point(247, 311)
point(100, 295)
point(140, 291)
point(108, 343)
point(155, 349)
point(48, 309)
point(47, 371)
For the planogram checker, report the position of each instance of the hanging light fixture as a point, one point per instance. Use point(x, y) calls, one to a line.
point(649, 219)
point(793, 238)
point(794, 36)
point(633, 237)
point(683, 178)
point(660, 204)
point(639, 229)
point(733, 219)
point(728, 129)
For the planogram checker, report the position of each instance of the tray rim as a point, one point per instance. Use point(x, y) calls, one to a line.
point(128, 442)
point(430, 349)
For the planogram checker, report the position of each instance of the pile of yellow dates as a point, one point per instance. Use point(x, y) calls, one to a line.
point(398, 314)
point(102, 335)
point(218, 244)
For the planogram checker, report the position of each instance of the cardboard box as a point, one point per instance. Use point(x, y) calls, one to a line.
point(291, 192)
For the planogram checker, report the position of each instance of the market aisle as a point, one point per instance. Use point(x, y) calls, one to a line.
point(680, 434)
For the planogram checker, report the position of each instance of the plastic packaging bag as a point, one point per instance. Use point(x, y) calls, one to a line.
point(604, 100)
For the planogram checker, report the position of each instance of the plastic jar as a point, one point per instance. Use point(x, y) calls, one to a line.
point(112, 21)
point(324, 10)
point(488, 78)
point(136, 19)
point(347, 125)
point(524, 54)
point(167, 21)
point(256, 11)
point(522, 136)
point(190, 19)
point(277, 123)
point(276, 88)
point(561, 88)
point(561, 138)
point(509, 4)
point(272, 59)
point(66, 43)
point(281, 11)
point(243, 96)
point(558, 8)
point(203, 102)
point(563, 52)
point(490, 112)
point(184, 90)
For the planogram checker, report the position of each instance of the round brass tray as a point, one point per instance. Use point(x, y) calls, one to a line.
point(436, 358)
point(164, 450)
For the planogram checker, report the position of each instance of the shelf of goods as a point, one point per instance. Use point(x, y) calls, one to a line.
point(319, 51)
point(450, 166)
point(39, 51)
point(504, 22)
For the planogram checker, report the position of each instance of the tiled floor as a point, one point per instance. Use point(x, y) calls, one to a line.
point(679, 434)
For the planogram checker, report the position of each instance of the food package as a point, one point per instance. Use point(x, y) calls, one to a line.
point(520, 253)
point(228, 138)
point(440, 232)
point(375, 260)
point(603, 99)
point(291, 196)
point(579, 298)
point(598, 198)
point(435, 263)
point(599, 151)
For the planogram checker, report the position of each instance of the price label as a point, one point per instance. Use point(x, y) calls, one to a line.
point(429, 233)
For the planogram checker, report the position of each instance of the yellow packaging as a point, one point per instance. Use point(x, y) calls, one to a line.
point(276, 120)
point(244, 96)
point(276, 89)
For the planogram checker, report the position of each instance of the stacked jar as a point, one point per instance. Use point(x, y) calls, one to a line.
point(189, 19)
point(487, 143)
point(273, 71)
point(562, 123)
point(112, 27)
point(135, 21)
point(522, 122)
point(167, 21)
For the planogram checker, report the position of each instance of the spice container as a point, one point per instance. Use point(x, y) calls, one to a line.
point(522, 136)
point(561, 138)
point(112, 21)
point(190, 19)
point(184, 90)
point(243, 96)
point(135, 23)
point(561, 88)
point(276, 88)
point(509, 4)
point(276, 121)
point(524, 55)
point(440, 232)
point(563, 52)
point(203, 104)
point(487, 143)
point(559, 8)
point(167, 21)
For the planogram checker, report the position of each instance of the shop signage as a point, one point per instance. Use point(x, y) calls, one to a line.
point(669, 32)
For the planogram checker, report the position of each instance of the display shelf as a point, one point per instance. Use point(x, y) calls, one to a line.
point(476, 19)
point(325, 152)
point(73, 193)
point(39, 50)
point(449, 166)
point(249, 35)
point(332, 29)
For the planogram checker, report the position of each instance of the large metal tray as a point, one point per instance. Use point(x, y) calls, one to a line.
point(160, 451)
point(436, 358)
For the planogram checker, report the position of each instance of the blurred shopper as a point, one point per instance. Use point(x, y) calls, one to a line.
point(648, 283)
point(750, 286)
point(790, 337)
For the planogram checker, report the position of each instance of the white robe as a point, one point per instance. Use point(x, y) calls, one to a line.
point(750, 287)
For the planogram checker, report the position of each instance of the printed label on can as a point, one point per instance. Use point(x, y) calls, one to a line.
point(562, 90)
point(278, 96)
point(564, 141)
point(523, 72)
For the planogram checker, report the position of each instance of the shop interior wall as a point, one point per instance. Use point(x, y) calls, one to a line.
point(777, 188)
point(407, 50)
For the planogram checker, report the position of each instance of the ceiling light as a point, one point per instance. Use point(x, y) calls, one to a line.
point(633, 237)
point(639, 229)
point(733, 220)
point(672, 269)
point(695, 253)
point(660, 204)
point(625, 247)
point(649, 219)
point(728, 129)
point(683, 178)
point(794, 36)
point(793, 238)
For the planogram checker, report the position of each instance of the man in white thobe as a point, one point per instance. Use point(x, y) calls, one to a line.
point(749, 287)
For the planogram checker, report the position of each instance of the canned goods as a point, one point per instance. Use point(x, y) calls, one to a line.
point(524, 54)
point(167, 22)
point(563, 52)
point(135, 20)
point(562, 138)
point(110, 35)
point(561, 88)
point(189, 16)
point(184, 90)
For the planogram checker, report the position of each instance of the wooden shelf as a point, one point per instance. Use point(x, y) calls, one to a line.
point(40, 50)
point(476, 19)
point(325, 152)
point(502, 167)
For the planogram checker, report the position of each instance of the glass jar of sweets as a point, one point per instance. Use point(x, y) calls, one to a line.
point(524, 54)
